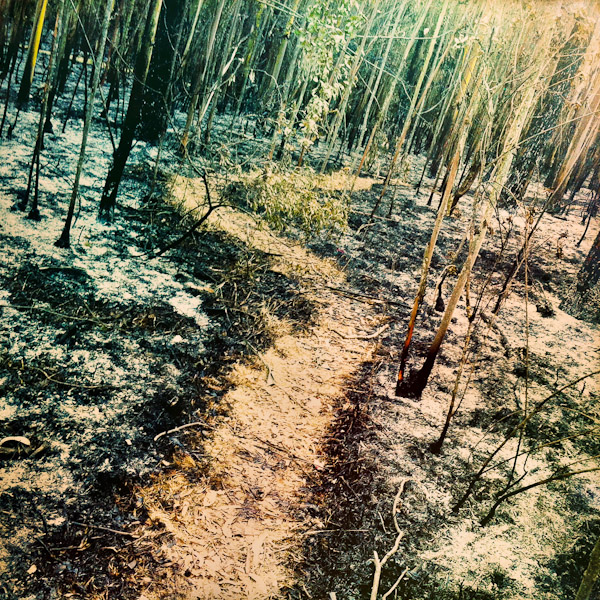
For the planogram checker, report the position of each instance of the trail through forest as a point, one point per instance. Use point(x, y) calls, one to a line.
point(239, 530)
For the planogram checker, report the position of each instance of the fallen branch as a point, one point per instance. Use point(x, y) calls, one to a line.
point(68, 384)
point(181, 428)
point(52, 312)
point(209, 210)
point(107, 529)
point(364, 337)
point(391, 590)
point(367, 297)
point(520, 426)
point(558, 477)
point(319, 531)
point(380, 563)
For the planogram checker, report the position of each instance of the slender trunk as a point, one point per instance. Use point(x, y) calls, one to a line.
point(392, 89)
point(589, 274)
point(188, 44)
point(437, 64)
point(255, 38)
point(380, 71)
point(111, 186)
point(285, 99)
point(34, 213)
point(441, 120)
point(200, 80)
point(407, 121)
point(272, 80)
point(224, 66)
point(64, 240)
point(585, 133)
point(415, 387)
point(341, 111)
point(156, 105)
point(34, 46)
point(60, 57)
point(425, 267)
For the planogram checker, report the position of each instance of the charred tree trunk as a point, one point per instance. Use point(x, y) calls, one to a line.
point(589, 275)
point(64, 240)
point(132, 118)
point(157, 95)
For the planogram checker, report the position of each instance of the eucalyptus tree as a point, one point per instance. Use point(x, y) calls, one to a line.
point(486, 202)
point(50, 84)
point(15, 14)
point(398, 70)
point(586, 131)
point(64, 241)
point(32, 54)
point(358, 58)
point(273, 77)
point(258, 24)
point(466, 105)
point(577, 121)
point(547, 118)
point(415, 98)
point(330, 27)
point(225, 70)
point(130, 124)
point(200, 78)
point(379, 69)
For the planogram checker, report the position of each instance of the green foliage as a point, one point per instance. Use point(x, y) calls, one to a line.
point(292, 199)
point(328, 26)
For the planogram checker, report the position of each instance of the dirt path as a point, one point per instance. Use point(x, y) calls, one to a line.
point(238, 531)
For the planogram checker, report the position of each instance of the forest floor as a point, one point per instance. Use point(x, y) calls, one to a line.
point(219, 421)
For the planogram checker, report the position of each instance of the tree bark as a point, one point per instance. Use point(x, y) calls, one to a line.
point(65, 241)
point(589, 274)
point(590, 575)
point(157, 95)
point(113, 180)
point(34, 46)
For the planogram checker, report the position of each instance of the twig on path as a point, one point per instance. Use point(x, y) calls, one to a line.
point(271, 377)
point(281, 449)
point(263, 361)
point(181, 428)
point(364, 337)
point(107, 529)
point(366, 297)
point(52, 312)
point(319, 531)
point(82, 386)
